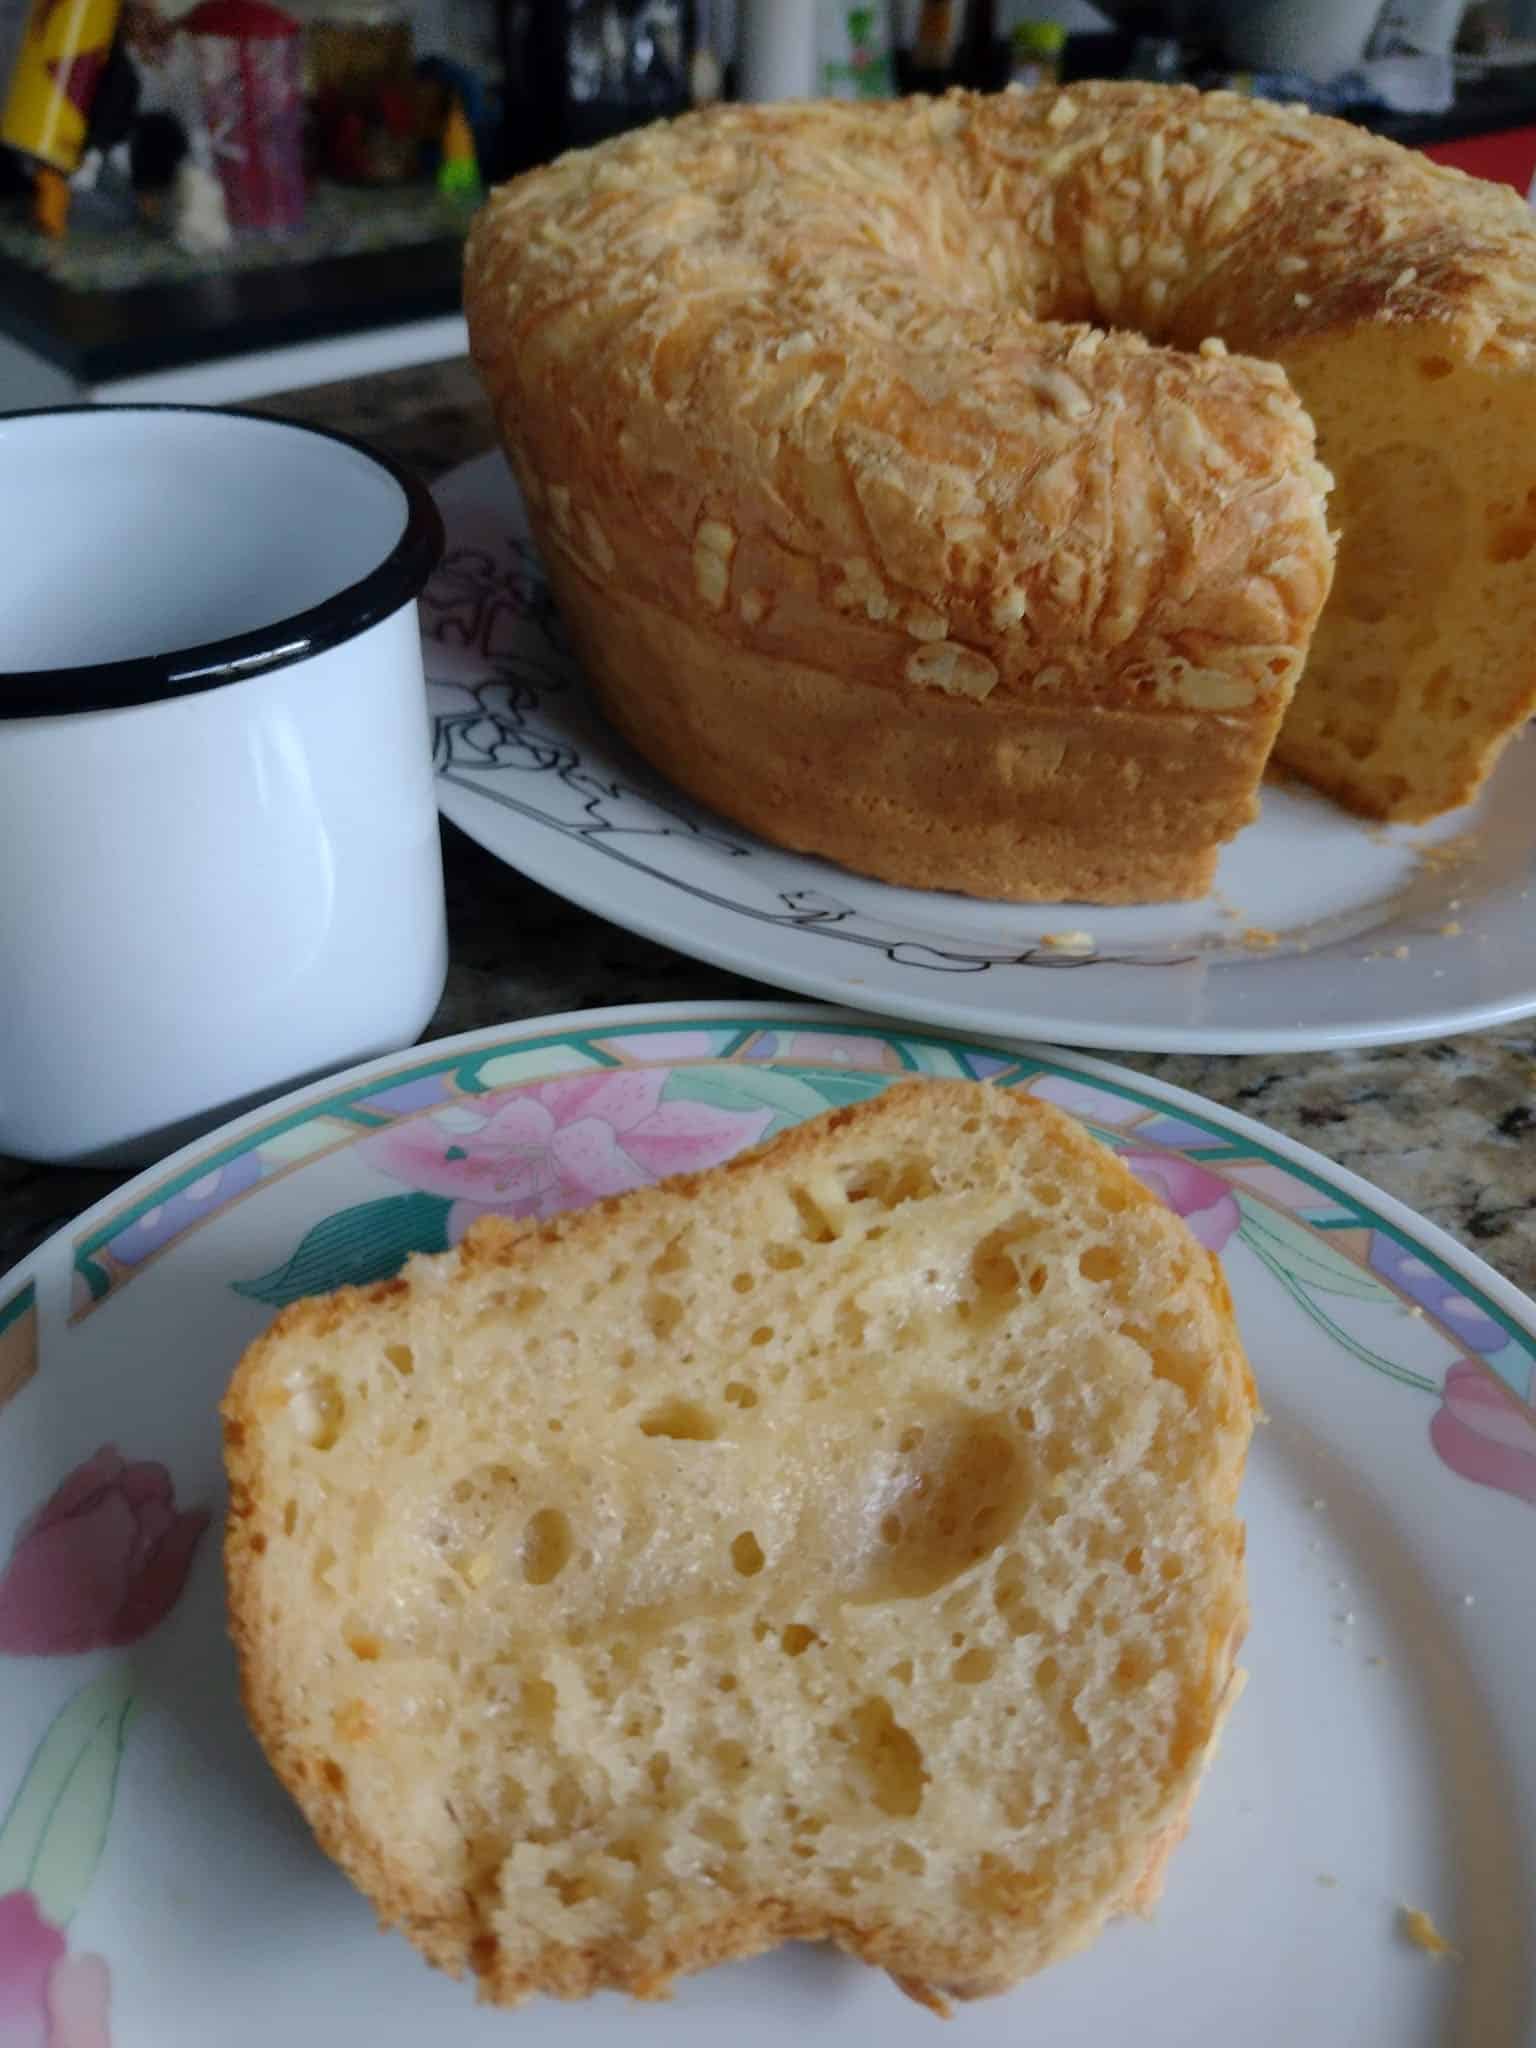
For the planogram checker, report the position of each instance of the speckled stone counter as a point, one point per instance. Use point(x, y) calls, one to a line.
point(1449, 1127)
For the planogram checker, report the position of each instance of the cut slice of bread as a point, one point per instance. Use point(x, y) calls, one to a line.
point(840, 1544)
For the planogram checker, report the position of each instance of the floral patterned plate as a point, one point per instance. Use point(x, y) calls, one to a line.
point(157, 1889)
point(1322, 930)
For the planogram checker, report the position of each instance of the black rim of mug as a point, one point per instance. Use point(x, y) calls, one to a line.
point(186, 671)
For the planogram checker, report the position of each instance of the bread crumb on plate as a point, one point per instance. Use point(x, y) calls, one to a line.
point(1416, 1926)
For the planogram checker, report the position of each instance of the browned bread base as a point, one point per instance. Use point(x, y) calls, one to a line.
point(931, 792)
point(840, 1545)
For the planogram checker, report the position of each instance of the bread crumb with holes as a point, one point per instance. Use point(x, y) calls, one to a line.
point(886, 1553)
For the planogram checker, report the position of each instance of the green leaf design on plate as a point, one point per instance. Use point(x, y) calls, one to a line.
point(1304, 1257)
point(944, 1061)
point(355, 1246)
point(1306, 1267)
point(792, 1100)
point(52, 1837)
point(96, 1280)
point(836, 1089)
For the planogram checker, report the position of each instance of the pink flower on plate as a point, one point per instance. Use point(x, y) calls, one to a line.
point(48, 1998)
point(561, 1144)
point(100, 1563)
point(1202, 1198)
point(1483, 1433)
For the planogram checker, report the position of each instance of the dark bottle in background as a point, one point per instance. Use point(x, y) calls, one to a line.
point(984, 54)
point(579, 70)
point(938, 47)
point(955, 42)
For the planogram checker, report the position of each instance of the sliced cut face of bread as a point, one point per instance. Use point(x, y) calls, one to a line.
point(1422, 668)
point(840, 1544)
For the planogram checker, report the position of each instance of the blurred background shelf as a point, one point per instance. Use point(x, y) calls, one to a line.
point(370, 281)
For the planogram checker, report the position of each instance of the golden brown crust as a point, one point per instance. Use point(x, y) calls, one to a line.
point(448, 1920)
point(813, 384)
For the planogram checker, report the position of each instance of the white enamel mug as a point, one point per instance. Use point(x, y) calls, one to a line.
point(220, 870)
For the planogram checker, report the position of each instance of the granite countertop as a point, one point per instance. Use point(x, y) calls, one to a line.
point(1448, 1127)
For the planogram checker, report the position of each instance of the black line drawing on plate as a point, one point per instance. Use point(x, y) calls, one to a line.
point(475, 600)
point(493, 730)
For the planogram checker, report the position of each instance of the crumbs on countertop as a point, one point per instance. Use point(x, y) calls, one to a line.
point(1416, 1926)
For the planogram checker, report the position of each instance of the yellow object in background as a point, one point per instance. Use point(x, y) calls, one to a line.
point(50, 201)
point(58, 68)
point(459, 171)
point(1036, 54)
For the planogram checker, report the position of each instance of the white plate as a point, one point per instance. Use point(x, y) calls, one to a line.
point(1323, 930)
point(157, 1886)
